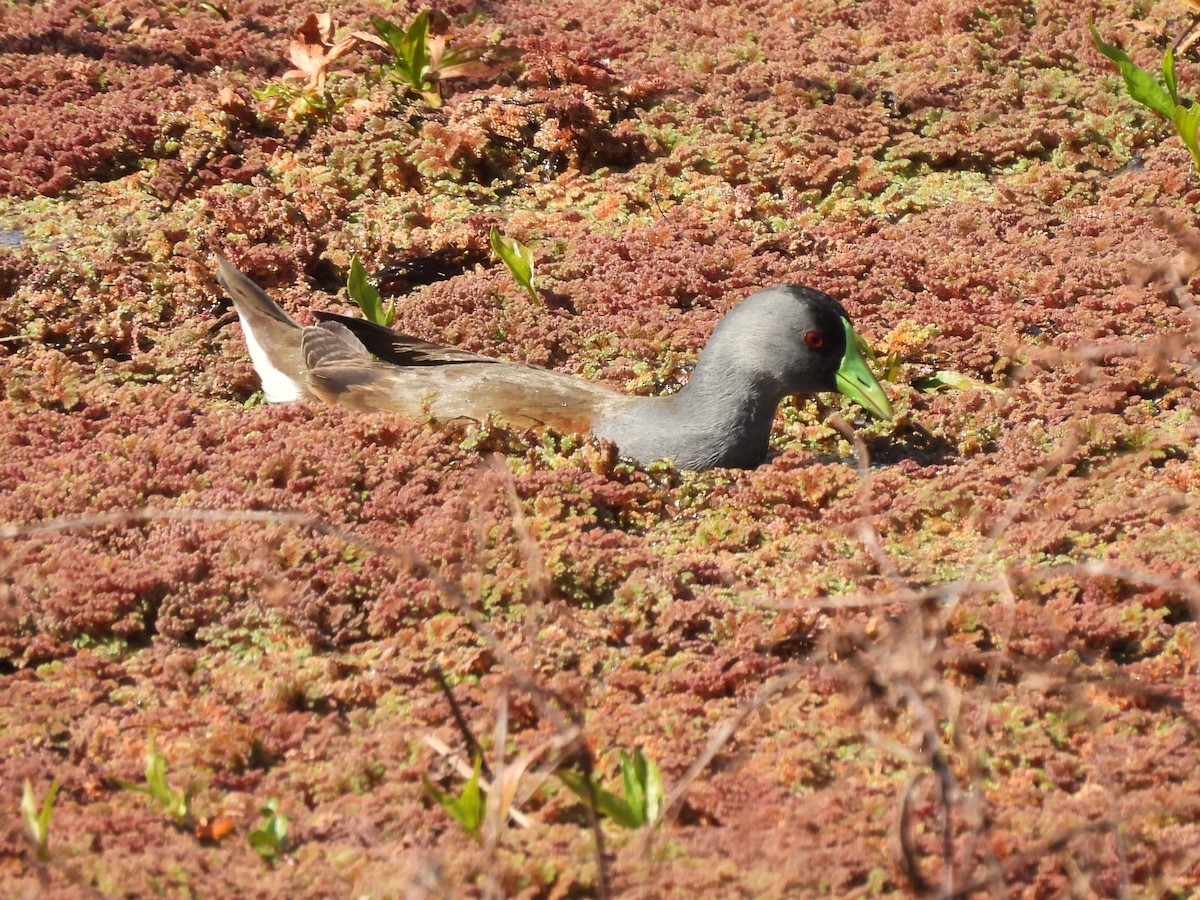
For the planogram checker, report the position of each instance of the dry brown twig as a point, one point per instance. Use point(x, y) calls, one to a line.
point(904, 664)
point(460, 720)
point(924, 648)
point(1051, 845)
point(903, 847)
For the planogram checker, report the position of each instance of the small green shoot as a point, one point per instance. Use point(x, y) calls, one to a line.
point(421, 63)
point(467, 809)
point(517, 258)
point(1182, 112)
point(955, 381)
point(909, 338)
point(269, 839)
point(297, 102)
point(410, 55)
point(217, 9)
point(367, 297)
point(892, 370)
point(37, 821)
point(176, 804)
point(643, 789)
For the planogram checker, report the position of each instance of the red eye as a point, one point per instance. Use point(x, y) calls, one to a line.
point(815, 339)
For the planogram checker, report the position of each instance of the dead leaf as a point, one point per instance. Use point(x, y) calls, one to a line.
point(214, 829)
point(230, 103)
point(312, 50)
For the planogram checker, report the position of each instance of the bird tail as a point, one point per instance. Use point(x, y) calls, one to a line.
point(272, 337)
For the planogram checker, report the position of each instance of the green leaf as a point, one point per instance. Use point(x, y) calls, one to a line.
point(1169, 75)
point(37, 821)
point(390, 33)
point(467, 808)
point(1186, 120)
point(633, 780)
point(643, 786)
point(608, 804)
point(216, 10)
point(653, 789)
point(952, 380)
point(517, 258)
point(364, 294)
point(410, 51)
point(174, 803)
point(1141, 85)
point(269, 840)
point(420, 63)
point(892, 367)
point(417, 56)
point(641, 782)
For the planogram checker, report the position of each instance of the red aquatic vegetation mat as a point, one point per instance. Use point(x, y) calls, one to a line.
point(954, 654)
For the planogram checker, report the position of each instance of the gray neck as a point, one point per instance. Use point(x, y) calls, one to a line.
point(721, 417)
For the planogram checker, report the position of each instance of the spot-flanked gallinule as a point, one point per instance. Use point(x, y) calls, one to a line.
point(780, 341)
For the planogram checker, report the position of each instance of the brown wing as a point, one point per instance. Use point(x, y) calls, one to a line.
point(330, 344)
point(341, 370)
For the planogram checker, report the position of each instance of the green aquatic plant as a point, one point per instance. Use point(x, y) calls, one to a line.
point(950, 380)
point(467, 809)
point(908, 341)
point(176, 804)
point(367, 297)
point(220, 10)
point(641, 784)
point(517, 258)
point(297, 102)
point(269, 839)
point(37, 818)
point(421, 62)
point(1161, 97)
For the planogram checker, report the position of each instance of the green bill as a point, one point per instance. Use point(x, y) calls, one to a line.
point(854, 379)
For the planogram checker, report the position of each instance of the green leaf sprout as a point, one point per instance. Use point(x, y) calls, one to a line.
point(1164, 98)
point(421, 63)
point(269, 839)
point(367, 297)
point(467, 808)
point(642, 786)
point(37, 820)
point(517, 258)
point(176, 804)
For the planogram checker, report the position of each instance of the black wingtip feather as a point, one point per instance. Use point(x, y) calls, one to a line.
point(402, 349)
